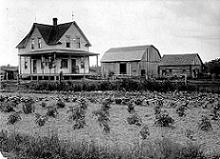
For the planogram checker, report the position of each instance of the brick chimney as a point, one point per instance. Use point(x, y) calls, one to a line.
point(54, 21)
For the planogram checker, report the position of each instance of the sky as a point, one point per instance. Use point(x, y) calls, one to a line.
point(172, 26)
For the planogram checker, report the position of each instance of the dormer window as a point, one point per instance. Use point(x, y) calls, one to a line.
point(32, 43)
point(39, 42)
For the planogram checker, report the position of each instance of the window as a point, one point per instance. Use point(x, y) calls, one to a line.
point(164, 72)
point(32, 43)
point(77, 42)
point(25, 65)
point(64, 63)
point(123, 68)
point(39, 42)
point(170, 70)
point(67, 44)
point(184, 70)
point(82, 64)
point(68, 41)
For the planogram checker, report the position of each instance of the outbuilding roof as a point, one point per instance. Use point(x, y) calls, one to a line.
point(131, 53)
point(179, 59)
point(51, 33)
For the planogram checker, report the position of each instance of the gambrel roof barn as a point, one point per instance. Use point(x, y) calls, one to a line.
point(131, 60)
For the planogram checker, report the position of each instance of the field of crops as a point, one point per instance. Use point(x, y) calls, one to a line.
point(125, 120)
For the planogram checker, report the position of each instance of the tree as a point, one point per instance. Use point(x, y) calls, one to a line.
point(213, 66)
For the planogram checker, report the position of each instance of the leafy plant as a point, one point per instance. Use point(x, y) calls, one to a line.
point(82, 103)
point(6, 107)
point(28, 107)
point(216, 112)
point(103, 119)
point(13, 118)
point(125, 100)
point(118, 100)
point(52, 111)
point(76, 113)
point(130, 107)
point(60, 104)
point(106, 105)
point(144, 132)
point(134, 119)
point(43, 104)
point(163, 119)
point(138, 101)
point(79, 124)
point(204, 123)
point(189, 134)
point(40, 119)
point(3, 136)
point(157, 109)
point(78, 116)
point(180, 110)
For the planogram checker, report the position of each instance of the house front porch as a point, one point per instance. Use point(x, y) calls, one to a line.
point(55, 64)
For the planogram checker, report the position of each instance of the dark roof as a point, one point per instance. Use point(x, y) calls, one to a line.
point(51, 33)
point(179, 59)
point(9, 68)
point(131, 53)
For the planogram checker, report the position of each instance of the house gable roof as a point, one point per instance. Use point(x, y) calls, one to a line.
point(179, 59)
point(50, 33)
point(132, 53)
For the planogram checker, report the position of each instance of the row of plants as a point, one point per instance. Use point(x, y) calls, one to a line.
point(105, 85)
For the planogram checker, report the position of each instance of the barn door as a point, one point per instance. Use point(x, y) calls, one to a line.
point(123, 68)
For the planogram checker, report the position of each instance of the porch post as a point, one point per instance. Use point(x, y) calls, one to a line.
point(31, 69)
point(84, 70)
point(19, 64)
point(42, 64)
point(55, 67)
point(97, 64)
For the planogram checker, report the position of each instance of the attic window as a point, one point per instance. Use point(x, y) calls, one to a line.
point(32, 43)
point(39, 42)
point(68, 41)
point(67, 44)
point(77, 42)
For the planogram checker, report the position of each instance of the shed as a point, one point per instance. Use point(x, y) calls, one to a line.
point(178, 64)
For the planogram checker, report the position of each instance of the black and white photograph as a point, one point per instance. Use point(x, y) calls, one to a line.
point(110, 79)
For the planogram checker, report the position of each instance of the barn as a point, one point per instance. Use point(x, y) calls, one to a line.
point(133, 61)
point(179, 64)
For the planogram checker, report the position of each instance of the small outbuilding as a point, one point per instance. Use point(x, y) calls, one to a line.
point(133, 61)
point(179, 64)
point(8, 72)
